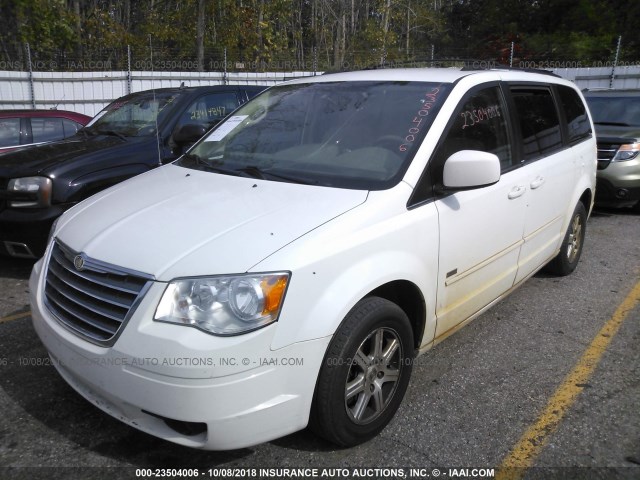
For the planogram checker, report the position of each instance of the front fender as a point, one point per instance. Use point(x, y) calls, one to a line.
point(336, 265)
point(94, 182)
point(318, 301)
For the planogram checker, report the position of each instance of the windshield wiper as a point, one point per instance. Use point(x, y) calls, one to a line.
point(250, 171)
point(257, 172)
point(198, 160)
point(253, 171)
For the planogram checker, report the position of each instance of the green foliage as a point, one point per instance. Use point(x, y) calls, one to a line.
point(342, 33)
point(44, 22)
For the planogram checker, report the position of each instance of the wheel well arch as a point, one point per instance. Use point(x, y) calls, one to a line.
point(586, 199)
point(409, 298)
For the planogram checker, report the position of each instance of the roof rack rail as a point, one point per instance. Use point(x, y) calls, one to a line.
point(417, 63)
point(515, 69)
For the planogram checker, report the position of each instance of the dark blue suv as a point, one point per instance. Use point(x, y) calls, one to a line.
point(130, 136)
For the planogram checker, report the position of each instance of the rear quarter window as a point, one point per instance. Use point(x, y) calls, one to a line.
point(578, 125)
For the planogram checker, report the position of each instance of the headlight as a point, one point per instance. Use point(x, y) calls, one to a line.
point(31, 192)
point(627, 151)
point(224, 305)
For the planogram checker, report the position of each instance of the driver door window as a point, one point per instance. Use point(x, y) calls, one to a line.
point(480, 124)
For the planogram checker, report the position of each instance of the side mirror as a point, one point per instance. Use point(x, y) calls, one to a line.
point(469, 169)
point(189, 133)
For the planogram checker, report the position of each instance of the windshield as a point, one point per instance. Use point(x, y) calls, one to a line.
point(359, 135)
point(136, 116)
point(610, 110)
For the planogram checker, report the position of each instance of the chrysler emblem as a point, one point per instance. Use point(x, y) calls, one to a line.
point(78, 262)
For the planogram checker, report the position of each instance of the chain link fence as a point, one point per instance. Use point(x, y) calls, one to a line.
point(35, 78)
point(128, 58)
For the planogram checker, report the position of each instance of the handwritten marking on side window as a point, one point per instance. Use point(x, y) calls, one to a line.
point(479, 115)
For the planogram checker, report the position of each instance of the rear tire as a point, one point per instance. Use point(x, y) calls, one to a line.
point(365, 373)
point(571, 250)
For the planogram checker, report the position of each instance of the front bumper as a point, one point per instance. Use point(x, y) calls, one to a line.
point(24, 232)
point(185, 386)
point(619, 184)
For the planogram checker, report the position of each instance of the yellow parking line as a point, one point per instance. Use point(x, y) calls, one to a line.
point(525, 452)
point(17, 316)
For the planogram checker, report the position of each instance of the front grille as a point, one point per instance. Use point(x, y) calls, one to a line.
point(95, 300)
point(606, 152)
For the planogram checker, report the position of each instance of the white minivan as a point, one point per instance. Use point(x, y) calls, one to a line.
point(288, 269)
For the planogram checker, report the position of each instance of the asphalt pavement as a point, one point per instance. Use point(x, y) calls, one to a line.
point(472, 401)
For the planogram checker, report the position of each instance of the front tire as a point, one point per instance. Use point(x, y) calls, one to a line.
point(571, 250)
point(365, 373)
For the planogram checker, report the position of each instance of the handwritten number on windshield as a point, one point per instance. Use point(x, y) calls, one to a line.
point(428, 102)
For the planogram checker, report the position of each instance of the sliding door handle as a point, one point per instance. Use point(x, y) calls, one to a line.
point(537, 182)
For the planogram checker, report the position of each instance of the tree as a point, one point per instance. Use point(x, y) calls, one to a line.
point(336, 33)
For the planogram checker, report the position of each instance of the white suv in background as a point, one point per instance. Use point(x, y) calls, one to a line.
point(287, 270)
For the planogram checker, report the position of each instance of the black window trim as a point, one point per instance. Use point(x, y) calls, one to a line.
point(26, 134)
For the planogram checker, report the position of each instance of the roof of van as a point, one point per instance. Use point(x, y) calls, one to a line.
point(439, 75)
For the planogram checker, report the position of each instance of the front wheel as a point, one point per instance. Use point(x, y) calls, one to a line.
point(567, 260)
point(365, 373)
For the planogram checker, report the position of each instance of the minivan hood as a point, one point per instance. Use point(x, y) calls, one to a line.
point(174, 222)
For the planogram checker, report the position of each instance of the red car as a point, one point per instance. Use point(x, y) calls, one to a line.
point(19, 128)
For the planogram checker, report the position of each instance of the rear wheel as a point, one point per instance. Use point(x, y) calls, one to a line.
point(365, 373)
point(567, 260)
